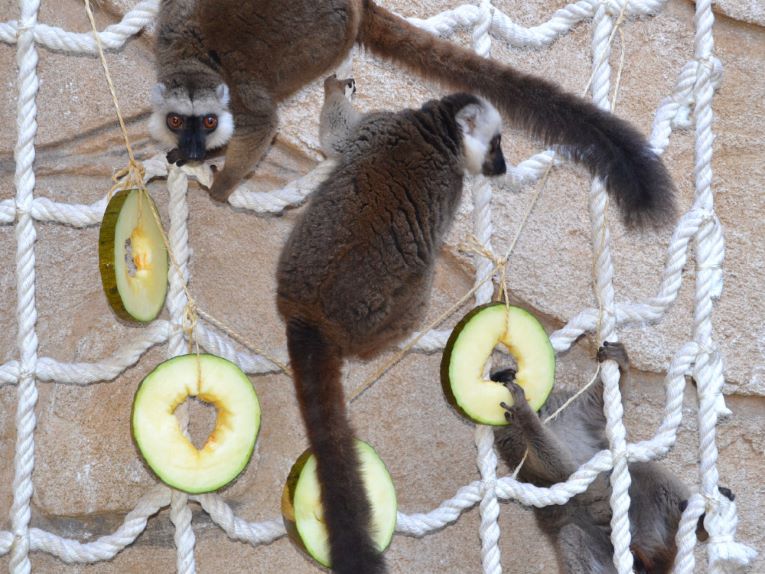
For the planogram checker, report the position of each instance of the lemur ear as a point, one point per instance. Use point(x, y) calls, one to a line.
point(158, 93)
point(467, 118)
point(223, 95)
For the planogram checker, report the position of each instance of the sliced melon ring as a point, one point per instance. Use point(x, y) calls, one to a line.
point(469, 348)
point(302, 509)
point(132, 257)
point(157, 431)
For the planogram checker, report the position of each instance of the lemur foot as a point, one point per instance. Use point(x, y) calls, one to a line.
point(614, 352)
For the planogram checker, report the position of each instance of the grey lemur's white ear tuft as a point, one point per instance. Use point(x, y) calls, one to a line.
point(158, 93)
point(223, 95)
point(467, 118)
point(479, 124)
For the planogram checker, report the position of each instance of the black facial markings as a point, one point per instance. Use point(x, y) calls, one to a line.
point(494, 163)
point(191, 139)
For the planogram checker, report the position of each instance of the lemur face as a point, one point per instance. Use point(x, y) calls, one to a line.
point(192, 122)
point(481, 127)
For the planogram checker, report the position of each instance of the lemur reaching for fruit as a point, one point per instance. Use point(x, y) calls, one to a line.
point(580, 529)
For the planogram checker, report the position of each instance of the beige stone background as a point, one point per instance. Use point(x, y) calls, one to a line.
point(88, 474)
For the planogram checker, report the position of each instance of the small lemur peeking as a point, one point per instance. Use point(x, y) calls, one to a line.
point(354, 276)
point(224, 66)
point(580, 529)
point(338, 116)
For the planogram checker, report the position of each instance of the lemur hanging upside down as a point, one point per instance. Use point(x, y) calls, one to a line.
point(223, 66)
point(580, 529)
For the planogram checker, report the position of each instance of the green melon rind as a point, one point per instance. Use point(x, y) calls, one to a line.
point(145, 431)
point(535, 374)
point(302, 486)
point(111, 250)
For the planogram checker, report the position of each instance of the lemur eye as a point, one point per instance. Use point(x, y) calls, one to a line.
point(174, 121)
point(210, 122)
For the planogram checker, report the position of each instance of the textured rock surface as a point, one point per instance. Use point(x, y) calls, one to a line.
point(88, 473)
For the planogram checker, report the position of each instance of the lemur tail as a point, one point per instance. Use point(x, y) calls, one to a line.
point(608, 146)
point(316, 364)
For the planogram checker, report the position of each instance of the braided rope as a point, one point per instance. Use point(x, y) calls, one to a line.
point(692, 95)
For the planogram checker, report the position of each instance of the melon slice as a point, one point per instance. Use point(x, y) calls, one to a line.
point(302, 508)
point(157, 431)
point(132, 257)
point(469, 348)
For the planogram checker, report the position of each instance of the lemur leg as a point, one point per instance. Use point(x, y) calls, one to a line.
point(548, 458)
point(583, 552)
point(255, 127)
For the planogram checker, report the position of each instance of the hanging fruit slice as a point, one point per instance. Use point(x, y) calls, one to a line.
point(302, 509)
point(469, 348)
point(158, 434)
point(132, 257)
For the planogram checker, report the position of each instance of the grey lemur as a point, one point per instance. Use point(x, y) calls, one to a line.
point(223, 66)
point(355, 274)
point(338, 116)
point(580, 529)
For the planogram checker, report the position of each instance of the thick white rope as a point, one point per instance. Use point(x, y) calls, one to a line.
point(694, 89)
point(24, 154)
point(604, 290)
point(484, 435)
point(177, 301)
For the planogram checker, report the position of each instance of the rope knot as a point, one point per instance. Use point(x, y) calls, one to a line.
point(721, 522)
point(615, 8)
point(23, 26)
point(488, 485)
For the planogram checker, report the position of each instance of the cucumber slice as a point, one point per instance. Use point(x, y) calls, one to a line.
point(132, 257)
point(157, 432)
point(302, 509)
point(469, 347)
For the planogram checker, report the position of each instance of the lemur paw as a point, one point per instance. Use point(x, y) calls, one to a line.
point(174, 156)
point(222, 186)
point(519, 401)
point(614, 352)
point(503, 376)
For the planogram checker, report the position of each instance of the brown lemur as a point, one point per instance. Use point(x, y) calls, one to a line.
point(580, 529)
point(223, 66)
point(355, 274)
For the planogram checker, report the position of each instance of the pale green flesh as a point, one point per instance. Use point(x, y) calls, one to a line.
point(143, 293)
point(309, 513)
point(160, 439)
point(529, 345)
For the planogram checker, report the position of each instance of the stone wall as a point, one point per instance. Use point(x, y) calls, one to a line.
point(88, 473)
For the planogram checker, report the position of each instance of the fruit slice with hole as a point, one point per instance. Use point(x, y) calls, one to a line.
point(158, 434)
point(302, 508)
point(469, 348)
point(132, 257)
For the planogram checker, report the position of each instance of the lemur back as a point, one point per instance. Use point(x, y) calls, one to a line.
point(354, 275)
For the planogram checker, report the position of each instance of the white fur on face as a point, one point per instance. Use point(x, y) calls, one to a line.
point(180, 102)
point(479, 123)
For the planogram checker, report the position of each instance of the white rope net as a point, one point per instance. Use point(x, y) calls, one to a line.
point(698, 356)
